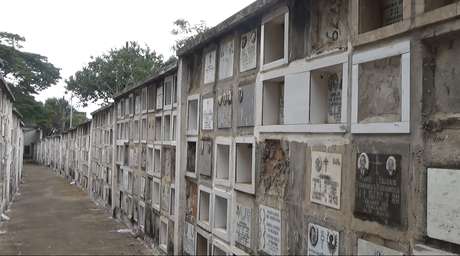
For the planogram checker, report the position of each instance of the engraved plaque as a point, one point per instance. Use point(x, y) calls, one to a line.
point(246, 106)
point(205, 157)
point(443, 201)
point(368, 248)
point(243, 226)
point(378, 188)
point(270, 230)
point(227, 50)
point(210, 67)
point(322, 241)
point(248, 51)
point(326, 173)
point(208, 114)
point(224, 108)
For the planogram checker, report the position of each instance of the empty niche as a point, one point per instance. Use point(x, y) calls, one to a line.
point(157, 160)
point(202, 244)
point(164, 234)
point(274, 40)
point(220, 248)
point(374, 14)
point(204, 207)
point(273, 102)
point(379, 95)
point(191, 157)
point(174, 127)
point(172, 206)
point(158, 128)
point(167, 128)
point(156, 194)
point(326, 95)
point(435, 4)
point(222, 161)
point(150, 161)
point(144, 129)
point(244, 165)
point(151, 97)
point(192, 116)
point(168, 84)
point(221, 215)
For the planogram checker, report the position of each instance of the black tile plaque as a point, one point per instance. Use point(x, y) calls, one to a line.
point(378, 188)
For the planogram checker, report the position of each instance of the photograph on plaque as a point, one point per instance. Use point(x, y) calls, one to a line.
point(248, 51)
point(326, 174)
point(210, 67)
point(369, 248)
point(322, 241)
point(270, 230)
point(378, 188)
point(208, 113)
point(243, 226)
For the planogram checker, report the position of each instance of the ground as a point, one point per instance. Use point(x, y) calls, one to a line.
point(50, 216)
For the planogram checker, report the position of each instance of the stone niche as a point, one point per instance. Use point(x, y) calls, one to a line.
point(374, 14)
point(191, 198)
point(328, 25)
point(368, 248)
point(205, 157)
point(246, 106)
point(275, 168)
point(379, 92)
point(224, 107)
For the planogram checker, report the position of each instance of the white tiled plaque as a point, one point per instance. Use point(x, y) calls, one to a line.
point(369, 248)
point(270, 230)
point(326, 173)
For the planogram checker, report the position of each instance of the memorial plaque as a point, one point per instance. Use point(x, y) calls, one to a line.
point(205, 157)
point(208, 114)
point(270, 230)
point(224, 108)
point(210, 67)
point(378, 188)
point(227, 51)
point(159, 97)
point(322, 241)
point(243, 226)
point(246, 106)
point(248, 51)
point(443, 201)
point(368, 248)
point(326, 174)
point(189, 239)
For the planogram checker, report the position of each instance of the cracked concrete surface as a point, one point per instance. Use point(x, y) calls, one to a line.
point(50, 216)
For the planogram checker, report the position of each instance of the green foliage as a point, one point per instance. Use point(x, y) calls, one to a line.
point(30, 72)
point(106, 75)
point(57, 112)
point(186, 32)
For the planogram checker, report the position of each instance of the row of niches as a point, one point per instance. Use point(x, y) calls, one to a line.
point(159, 127)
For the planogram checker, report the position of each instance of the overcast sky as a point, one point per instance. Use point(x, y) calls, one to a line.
point(69, 32)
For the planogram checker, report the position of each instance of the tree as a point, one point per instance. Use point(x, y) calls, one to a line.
point(29, 72)
point(186, 32)
point(106, 75)
point(57, 116)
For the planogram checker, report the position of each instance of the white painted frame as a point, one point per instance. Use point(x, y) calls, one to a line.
point(222, 234)
point(171, 80)
point(156, 148)
point(227, 141)
point(189, 99)
point(156, 205)
point(222, 246)
point(158, 115)
point(401, 48)
point(150, 160)
point(164, 247)
point(250, 189)
point(204, 225)
point(142, 130)
point(281, 11)
point(187, 173)
point(163, 123)
point(174, 128)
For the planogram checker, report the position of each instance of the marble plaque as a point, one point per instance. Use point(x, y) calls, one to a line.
point(421, 249)
point(208, 114)
point(378, 188)
point(270, 230)
point(189, 239)
point(227, 52)
point(248, 51)
point(159, 97)
point(326, 174)
point(369, 248)
point(210, 67)
point(224, 108)
point(322, 241)
point(243, 226)
point(443, 202)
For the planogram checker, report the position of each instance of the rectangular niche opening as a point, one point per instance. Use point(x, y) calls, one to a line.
point(202, 245)
point(380, 102)
point(374, 14)
point(156, 194)
point(435, 4)
point(144, 129)
point(174, 127)
point(243, 170)
point(150, 161)
point(157, 160)
point(172, 206)
point(220, 213)
point(164, 234)
point(205, 206)
point(274, 31)
point(223, 162)
point(158, 128)
point(168, 91)
point(191, 156)
point(192, 116)
point(167, 129)
point(326, 95)
point(273, 102)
